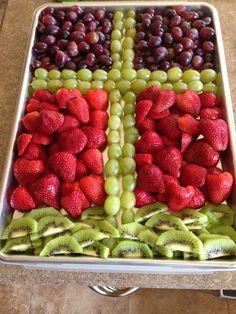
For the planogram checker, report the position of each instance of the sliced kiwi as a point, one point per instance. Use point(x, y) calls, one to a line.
point(192, 218)
point(224, 230)
point(65, 245)
point(148, 236)
point(41, 212)
point(218, 247)
point(218, 214)
point(187, 255)
point(112, 220)
point(200, 231)
point(145, 212)
point(162, 221)
point(203, 237)
point(184, 241)
point(162, 251)
point(80, 226)
point(37, 243)
point(131, 230)
point(108, 229)
point(88, 236)
point(20, 244)
point(20, 227)
point(92, 223)
point(53, 236)
point(97, 249)
point(37, 251)
point(110, 242)
point(132, 249)
point(127, 216)
point(95, 212)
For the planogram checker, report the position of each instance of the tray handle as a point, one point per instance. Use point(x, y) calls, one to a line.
point(113, 292)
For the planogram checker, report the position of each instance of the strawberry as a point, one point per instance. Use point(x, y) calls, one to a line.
point(98, 119)
point(143, 198)
point(142, 109)
point(149, 143)
point(188, 124)
point(69, 122)
point(198, 200)
point(214, 170)
point(161, 197)
point(97, 99)
point(92, 158)
point(96, 137)
point(63, 95)
point(147, 125)
point(215, 133)
point(74, 141)
point(169, 160)
point(169, 126)
point(53, 149)
point(168, 142)
point(49, 121)
point(142, 159)
point(30, 121)
point(46, 190)
point(93, 187)
point(193, 175)
point(208, 100)
point(179, 197)
point(34, 151)
point(186, 140)
point(28, 171)
point(32, 105)
point(160, 115)
point(219, 186)
point(188, 102)
point(164, 100)
point(201, 153)
point(44, 95)
point(39, 138)
point(22, 142)
point(21, 199)
point(63, 164)
point(150, 93)
point(211, 113)
point(72, 203)
point(68, 187)
point(81, 170)
point(150, 179)
point(48, 106)
point(79, 108)
point(169, 179)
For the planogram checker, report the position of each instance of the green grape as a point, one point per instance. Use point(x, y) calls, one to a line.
point(114, 96)
point(30, 90)
point(116, 109)
point(54, 85)
point(113, 137)
point(128, 74)
point(68, 74)
point(109, 85)
point(116, 34)
point(191, 75)
point(115, 46)
point(144, 74)
point(113, 221)
point(130, 97)
point(54, 74)
point(127, 200)
point(159, 75)
point(174, 74)
point(166, 86)
point(130, 13)
point(138, 86)
point(114, 75)
point(127, 216)
point(100, 75)
point(70, 84)
point(128, 182)
point(97, 85)
point(118, 15)
point(208, 75)
point(84, 75)
point(83, 86)
point(131, 135)
point(128, 150)
point(123, 86)
point(131, 32)
point(128, 121)
point(114, 151)
point(196, 86)
point(115, 57)
point(127, 65)
point(117, 65)
point(112, 167)
point(210, 87)
point(128, 43)
point(39, 84)
point(180, 87)
point(153, 83)
point(129, 108)
point(118, 25)
point(112, 205)
point(129, 22)
point(41, 74)
point(112, 185)
point(114, 122)
point(128, 55)
point(127, 165)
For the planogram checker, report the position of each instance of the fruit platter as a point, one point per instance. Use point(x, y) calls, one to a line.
point(123, 146)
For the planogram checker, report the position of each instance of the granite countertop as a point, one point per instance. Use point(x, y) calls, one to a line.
point(13, 42)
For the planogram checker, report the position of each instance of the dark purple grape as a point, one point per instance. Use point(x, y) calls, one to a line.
point(99, 14)
point(106, 52)
point(154, 41)
point(78, 10)
point(80, 27)
point(178, 48)
point(70, 65)
point(60, 16)
point(139, 36)
point(146, 22)
point(167, 39)
point(159, 32)
point(185, 58)
point(197, 62)
point(157, 17)
point(208, 46)
point(90, 59)
point(180, 9)
point(138, 66)
point(185, 26)
point(45, 62)
point(160, 53)
point(208, 65)
point(50, 40)
point(195, 44)
point(35, 65)
point(49, 20)
point(199, 24)
point(71, 16)
point(41, 28)
point(155, 26)
point(72, 49)
point(88, 17)
point(82, 65)
point(150, 11)
point(107, 44)
point(62, 44)
point(207, 20)
point(175, 21)
point(64, 34)
point(187, 43)
point(139, 27)
point(192, 33)
point(67, 26)
point(94, 67)
point(207, 33)
point(165, 21)
point(153, 67)
point(106, 26)
point(48, 11)
point(208, 57)
point(176, 33)
point(60, 58)
point(40, 47)
point(52, 30)
point(171, 54)
point(54, 50)
point(98, 50)
point(91, 26)
point(139, 60)
point(199, 52)
point(142, 45)
point(174, 65)
point(150, 60)
point(170, 13)
point(51, 67)
point(165, 65)
point(92, 38)
point(83, 46)
point(102, 38)
point(77, 36)
point(109, 15)
point(191, 15)
point(105, 60)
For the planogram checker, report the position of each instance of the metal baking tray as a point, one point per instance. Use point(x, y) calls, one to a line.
point(118, 264)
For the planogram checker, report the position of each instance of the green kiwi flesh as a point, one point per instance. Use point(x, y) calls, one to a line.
point(131, 230)
point(192, 218)
point(80, 226)
point(87, 236)
point(218, 247)
point(148, 236)
point(62, 245)
point(224, 230)
point(108, 229)
point(53, 236)
point(127, 216)
point(97, 249)
point(110, 242)
point(20, 244)
point(20, 227)
point(132, 249)
point(145, 212)
point(218, 214)
point(162, 221)
point(95, 212)
point(41, 212)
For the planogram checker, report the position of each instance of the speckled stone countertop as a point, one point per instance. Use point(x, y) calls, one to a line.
point(13, 42)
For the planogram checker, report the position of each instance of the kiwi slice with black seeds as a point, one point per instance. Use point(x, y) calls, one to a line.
point(162, 251)
point(147, 211)
point(53, 236)
point(218, 247)
point(218, 214)
point(112, 220)
point(193, 219)
point(62, 245)
point(87, 236)
point(148, 236)
point(92, 223)
point(224, 230)
point(184, 241)
point(110, 242)
point(132, 249)
point(162, 221)
point(203, 237)
point(200, 231)
point(131, 230)
point(20, 244)
point(95, 212)
point(20, 227)
point(108, 229)
point(97, 249)
point(79, 226)
point(37, 243)
point(41, 212)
